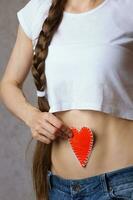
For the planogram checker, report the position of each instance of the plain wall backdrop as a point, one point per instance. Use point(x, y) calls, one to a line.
point(15, 174)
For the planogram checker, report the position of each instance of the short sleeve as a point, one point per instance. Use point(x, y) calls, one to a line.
point(26, 17)
point(124, 14)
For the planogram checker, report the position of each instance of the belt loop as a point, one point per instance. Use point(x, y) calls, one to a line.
point(49, 179)
point(104, 181)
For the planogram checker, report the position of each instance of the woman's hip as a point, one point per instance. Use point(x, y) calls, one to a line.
point(105, 186)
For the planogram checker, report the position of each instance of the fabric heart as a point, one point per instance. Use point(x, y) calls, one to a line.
point(82, 143)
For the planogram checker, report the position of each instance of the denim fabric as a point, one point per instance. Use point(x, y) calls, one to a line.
point(117, 184)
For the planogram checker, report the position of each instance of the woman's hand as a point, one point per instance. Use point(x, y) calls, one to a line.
point(46, 127)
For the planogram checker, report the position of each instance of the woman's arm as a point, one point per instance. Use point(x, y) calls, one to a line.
point(16, 71)
point(12, 94)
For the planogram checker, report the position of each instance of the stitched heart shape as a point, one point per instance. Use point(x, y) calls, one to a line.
point(82, 144)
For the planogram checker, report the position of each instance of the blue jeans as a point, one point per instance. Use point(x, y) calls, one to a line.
point(117, 184)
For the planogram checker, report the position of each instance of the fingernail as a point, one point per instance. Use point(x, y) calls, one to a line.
point(62, 133)
point(64, 136)
point(63, 128)
point(69, 133)
point(70, 136)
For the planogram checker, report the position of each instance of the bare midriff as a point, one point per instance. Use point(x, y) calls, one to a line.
point(113, 144)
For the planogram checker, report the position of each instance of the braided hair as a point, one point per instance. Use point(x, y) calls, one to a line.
point(42, 153)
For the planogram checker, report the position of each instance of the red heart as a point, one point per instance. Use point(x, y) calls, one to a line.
point(82, 144)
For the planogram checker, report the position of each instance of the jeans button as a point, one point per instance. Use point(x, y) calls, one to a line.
point(110, 189)
point(76, 187)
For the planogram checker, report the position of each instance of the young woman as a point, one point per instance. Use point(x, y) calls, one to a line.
point(81, 57)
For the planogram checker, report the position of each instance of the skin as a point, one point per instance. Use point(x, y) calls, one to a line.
point(113, 135)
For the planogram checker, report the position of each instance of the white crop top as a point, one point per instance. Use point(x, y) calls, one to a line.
point(90, 58)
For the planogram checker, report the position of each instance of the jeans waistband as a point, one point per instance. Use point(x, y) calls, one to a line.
point(114, 177)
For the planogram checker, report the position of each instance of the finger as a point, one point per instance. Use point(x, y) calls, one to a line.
point(54, 120)
point(50, 128)
point(46, 133)
point(38, 136)
point(43, 139)
point(53, 130)
point(58, 123)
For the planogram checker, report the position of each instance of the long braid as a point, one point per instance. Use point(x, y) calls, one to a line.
point(42, 153)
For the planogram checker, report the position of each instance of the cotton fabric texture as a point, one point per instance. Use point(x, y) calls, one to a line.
point(90, 60)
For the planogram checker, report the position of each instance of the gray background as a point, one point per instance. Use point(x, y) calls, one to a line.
point(15, 168)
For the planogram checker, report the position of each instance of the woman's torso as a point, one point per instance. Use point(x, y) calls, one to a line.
point(113, 135)
point(113, 144)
